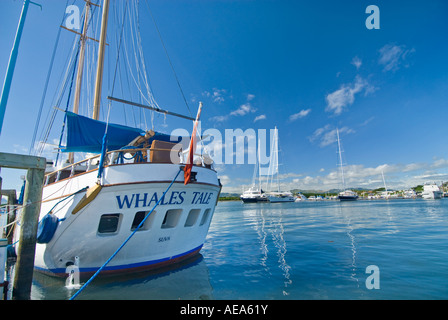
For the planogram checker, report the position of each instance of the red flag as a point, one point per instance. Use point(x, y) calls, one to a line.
point(192, 148)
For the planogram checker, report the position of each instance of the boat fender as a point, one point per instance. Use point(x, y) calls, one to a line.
point(46, 228)
point(11, 252)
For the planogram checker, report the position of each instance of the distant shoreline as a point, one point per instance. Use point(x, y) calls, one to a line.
point(229, 198)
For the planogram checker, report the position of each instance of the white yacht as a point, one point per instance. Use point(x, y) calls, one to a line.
point(300, 197)
point(431, 191)
point(254, 194)
point(284, 196)
point(348, 195)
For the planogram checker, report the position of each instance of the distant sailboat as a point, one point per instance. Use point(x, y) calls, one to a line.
point(277, 196)
point(385, 186)
point(255, 193)
point(345, 195)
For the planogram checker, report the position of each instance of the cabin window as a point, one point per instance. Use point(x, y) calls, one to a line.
point(205, 217)
point(171, 218)
point(192, 217)
point(109, 223)
point(138, 218)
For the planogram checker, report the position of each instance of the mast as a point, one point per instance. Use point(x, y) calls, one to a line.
point(340, 160)
point(81, 60)
point(258, 164)
point(99, 70)
point(12, 62)
point(273, 162)
point(276, 158)
point(385, 187)
point(254, 176)
point(80, 71)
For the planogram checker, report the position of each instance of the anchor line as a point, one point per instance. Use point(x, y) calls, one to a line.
point(125, 241)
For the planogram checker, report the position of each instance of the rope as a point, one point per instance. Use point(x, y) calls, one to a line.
point(126, 241)
point(79, 191)
point(17, 220)
point(168, 57)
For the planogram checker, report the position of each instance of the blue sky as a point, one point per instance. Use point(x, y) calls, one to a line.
point(306, 67)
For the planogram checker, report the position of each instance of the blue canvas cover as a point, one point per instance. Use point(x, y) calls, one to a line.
point(86, 135)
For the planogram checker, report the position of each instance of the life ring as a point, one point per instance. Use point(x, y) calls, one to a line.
point(46, 228)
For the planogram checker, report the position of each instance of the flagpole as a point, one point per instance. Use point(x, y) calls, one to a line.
point(189, 165)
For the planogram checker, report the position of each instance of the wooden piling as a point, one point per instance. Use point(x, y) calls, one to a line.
point(30, 217)
point(27, 240)
point(10, 208)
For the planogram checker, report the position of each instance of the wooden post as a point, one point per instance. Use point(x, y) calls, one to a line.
point(27, 241)
point(12, 201)
point(30, 218)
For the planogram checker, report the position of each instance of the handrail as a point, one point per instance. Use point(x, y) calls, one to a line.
point(112, 158)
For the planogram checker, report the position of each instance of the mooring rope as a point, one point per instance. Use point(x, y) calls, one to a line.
point(126, 241)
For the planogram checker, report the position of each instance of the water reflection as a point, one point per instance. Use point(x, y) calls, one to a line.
point(188, 280)
point(268, 221)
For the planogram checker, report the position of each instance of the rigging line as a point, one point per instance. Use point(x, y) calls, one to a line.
point(36, 126)
point(119, 47)
point(169, 60)
point(68, 102)
point(127, 239)
point(45, 135)
point(39, 149)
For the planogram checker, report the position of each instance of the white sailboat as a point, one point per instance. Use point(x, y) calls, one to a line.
point(255, 193)
point(345, 195)
point(144, 184)
point(386, 194)
point(277, 196)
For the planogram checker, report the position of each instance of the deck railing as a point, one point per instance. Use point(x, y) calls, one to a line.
point(127, 155)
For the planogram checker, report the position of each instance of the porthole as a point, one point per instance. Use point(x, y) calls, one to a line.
point(192, 217)
point(138, 218)
point(171, 218)
point(109, 223)
point(205, 217)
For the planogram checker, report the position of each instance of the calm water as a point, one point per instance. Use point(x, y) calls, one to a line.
point(311, 250)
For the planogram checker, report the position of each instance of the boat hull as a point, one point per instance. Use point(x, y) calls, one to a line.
point(254, 200)
point(281, 199)
point(174, 231)
point(348, 198)
point(432, 195)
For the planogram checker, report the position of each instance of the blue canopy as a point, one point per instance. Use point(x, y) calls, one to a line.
point(86, 135)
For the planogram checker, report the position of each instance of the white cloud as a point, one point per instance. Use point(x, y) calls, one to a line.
point(356, 62)
point(397, 176)
point(250, 97)
point(327, 135)
point(219, 118)
point(393, 56)
point(301, 114)
point(225, 179)
point(217, 95)
point(243, 109)
point(260, 117)
point(338, 100)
